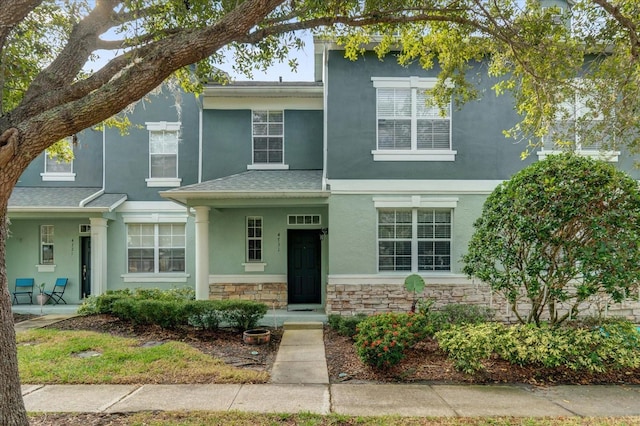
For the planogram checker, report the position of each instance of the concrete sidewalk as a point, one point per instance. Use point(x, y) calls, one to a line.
point(348, 399)
point(300, 383)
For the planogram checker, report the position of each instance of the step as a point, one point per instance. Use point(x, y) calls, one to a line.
point(303, 325)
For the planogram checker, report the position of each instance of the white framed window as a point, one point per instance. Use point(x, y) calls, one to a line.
point(303, 219)
point(156, 247)
point(46, 244)
point(268, 139)
point(56, 169)
point(164, 139)
point(408, 127)
point(414, 239)
point(574, 118)
point(254, 239)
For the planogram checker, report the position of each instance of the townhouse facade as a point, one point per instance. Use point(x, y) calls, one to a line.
point(318, 195)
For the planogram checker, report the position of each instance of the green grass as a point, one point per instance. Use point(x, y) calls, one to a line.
point(193, 418)
point(49, 356)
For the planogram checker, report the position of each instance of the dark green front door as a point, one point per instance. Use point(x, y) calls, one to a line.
point(304, 266)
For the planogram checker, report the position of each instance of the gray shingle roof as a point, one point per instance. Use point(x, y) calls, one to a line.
point(49, 198)
point(258, 182)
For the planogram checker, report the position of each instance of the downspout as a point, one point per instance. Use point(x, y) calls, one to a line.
point(325, 121)
point(104, 166)
point(200, 159)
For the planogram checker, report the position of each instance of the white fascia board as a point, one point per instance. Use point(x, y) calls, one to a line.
point(184, 197)
point(269, 91)
point(234, 103)
point(150, 207)
point(49, 209)
point(399, 186)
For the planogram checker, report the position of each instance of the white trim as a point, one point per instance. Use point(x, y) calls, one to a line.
point(150, 207)
point(247, 279)
point(610, 156)
point(254, 266)
point(46, 268)
point(415, 201)
point(232, 103)
point(155, 218)
point(58, 177)
point(404, 82)
point(414, 155)
point(169, 126)
point(163, 182)
point(267, 166)
point(398, 186)
point(155, 278)
point(431, 278)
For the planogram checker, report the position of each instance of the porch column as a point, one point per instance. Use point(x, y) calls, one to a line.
point(202, 252)
point(98, 255)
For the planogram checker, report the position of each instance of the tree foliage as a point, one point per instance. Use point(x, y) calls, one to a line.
point(559, 232)
point(49, 91)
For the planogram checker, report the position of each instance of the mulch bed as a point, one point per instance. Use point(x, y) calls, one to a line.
point(425, 363)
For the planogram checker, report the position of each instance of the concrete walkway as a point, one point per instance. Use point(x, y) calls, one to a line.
point(300, 383)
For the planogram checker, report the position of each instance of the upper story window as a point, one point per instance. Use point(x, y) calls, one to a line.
point(268, 139)
point(409, 128)
point(163, 154)
point(57, 168)
point(575, 118)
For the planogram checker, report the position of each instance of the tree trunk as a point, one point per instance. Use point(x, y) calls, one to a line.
point(12, 410)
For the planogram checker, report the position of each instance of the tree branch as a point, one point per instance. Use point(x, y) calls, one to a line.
point(625, 22)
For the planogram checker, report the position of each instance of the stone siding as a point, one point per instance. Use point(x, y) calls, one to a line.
point(350, 299)
point(274, 295)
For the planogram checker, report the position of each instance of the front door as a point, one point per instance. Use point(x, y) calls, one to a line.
point(304, 256)
point(85, 266)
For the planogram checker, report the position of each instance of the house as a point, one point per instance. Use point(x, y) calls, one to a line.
point(314, 195)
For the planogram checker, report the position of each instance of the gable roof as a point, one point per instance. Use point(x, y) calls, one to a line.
point(255, 184)
point(67, 199)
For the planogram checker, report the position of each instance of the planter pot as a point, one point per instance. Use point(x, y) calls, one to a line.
point(42, 299)
point(257, 336)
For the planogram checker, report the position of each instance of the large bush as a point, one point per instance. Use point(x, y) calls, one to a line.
point(557, 233)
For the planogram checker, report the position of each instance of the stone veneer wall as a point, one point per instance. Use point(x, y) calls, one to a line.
point(349, 299)
point(274, 295)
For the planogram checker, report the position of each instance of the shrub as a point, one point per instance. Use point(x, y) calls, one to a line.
point(564, 217)
point(600, 349)
point(165, 313)
point(242, 314)
point(382, 339)
point(203, 314)
point(458, 313)
point(346, 325)
point(102, 304)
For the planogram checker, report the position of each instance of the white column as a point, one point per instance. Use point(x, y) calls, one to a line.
point(98, 255)
point(202, 252)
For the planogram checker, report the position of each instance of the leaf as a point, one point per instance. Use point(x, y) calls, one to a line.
point(415, 283)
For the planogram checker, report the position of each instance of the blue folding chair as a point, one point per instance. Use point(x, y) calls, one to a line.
point(24, 287)
point(58, 291)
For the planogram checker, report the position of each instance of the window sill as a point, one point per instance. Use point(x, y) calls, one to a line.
point(168, 277)
point(411, 155)
point(163, 182)
point(46, 268)
point(58, 177)
point(254, 266)
point(268, 167)
point(610, 156)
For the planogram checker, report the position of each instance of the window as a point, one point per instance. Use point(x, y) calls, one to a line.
point(268, 139)
point(56, 168)
point(575, 119)
point(156, 248)
point(408, 127)
point(163, 154)
point(46, 245)
point(303, 219)
point(254, 239)
point(414, 239)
